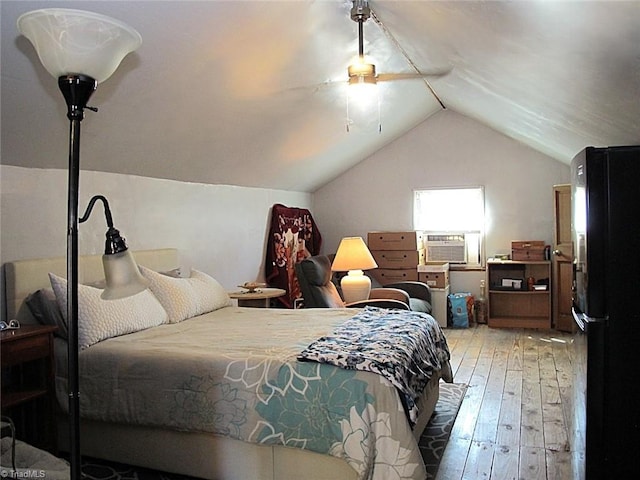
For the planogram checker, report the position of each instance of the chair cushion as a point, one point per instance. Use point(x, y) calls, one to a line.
point(419, 305)
point(414, 289)
point(317, 270)
point(331, 297)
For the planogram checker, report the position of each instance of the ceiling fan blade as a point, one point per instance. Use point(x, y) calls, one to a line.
point(314, 88)
point(386, 77)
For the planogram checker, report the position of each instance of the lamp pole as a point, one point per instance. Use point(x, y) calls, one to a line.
point(77, 89)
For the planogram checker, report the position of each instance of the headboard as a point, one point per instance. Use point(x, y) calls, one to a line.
point(23, 277)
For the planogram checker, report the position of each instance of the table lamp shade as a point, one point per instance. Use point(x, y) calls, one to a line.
point(78, 42)
point(354, 256)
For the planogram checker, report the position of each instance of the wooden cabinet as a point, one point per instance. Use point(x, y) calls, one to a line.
point(511, 302)
point(28, 391)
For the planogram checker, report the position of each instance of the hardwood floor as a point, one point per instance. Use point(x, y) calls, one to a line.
point(516, 417)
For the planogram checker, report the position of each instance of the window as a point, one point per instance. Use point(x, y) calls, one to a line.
point(452, 220)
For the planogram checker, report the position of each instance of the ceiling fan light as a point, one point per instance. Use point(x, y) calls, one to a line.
point(362, 70)
point(363, 103)
point(363, 89)
point(358, 80)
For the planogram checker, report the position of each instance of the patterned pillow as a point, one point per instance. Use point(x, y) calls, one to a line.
point(101, 319)
point(184, 298)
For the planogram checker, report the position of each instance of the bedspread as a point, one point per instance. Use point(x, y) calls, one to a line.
point(234, 372)
point(404, 347)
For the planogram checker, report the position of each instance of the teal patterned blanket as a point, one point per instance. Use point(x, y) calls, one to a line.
point(404, 347)
point(235, 373)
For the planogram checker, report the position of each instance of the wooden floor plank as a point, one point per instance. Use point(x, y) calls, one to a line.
point(505, 462)
point(510, 410)
point(531, 426)
point(559, 465)
point(479, 461)
point(454, 458)
point(514, 419)
point(533, 464)
point(515, 354)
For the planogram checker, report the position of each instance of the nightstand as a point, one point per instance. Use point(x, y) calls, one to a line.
point(28, 389)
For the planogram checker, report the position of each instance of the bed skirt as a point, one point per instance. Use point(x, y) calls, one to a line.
point(217, 458)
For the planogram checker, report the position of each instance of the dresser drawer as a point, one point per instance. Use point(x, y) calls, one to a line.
point(398, 258)
point(388, 275)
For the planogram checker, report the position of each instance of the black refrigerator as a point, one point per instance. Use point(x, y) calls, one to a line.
point(606, 307)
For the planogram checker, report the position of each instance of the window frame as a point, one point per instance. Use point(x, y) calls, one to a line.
point(474, 234)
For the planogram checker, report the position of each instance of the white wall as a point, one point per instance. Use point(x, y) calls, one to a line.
point(218, 229)
point(222, 229)
point(446, 150)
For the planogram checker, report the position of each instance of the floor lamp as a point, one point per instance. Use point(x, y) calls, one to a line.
point(80, 49)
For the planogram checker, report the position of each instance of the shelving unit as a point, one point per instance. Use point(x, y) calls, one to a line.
point(510, 302)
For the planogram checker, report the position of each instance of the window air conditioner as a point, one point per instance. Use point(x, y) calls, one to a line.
point(446, 248)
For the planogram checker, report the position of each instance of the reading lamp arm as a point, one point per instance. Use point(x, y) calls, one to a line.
point(107, 210)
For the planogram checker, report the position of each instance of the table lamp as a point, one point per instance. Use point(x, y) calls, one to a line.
point(353, 256)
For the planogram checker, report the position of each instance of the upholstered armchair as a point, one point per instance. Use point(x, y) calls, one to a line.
point(318, 291)
point(419, 295)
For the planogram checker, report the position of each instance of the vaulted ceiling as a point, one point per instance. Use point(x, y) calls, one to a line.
point(253, 93)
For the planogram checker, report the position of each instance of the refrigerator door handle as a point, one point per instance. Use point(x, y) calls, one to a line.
point(583, 321)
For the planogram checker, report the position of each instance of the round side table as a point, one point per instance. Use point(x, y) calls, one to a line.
point(257, 299)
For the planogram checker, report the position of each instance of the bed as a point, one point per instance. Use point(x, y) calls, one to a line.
point(233, 400)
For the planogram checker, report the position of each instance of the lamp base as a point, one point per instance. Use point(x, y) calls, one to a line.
point(355, 286)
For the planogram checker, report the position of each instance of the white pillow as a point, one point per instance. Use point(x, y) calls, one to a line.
point(101, 319)
point(184, 298)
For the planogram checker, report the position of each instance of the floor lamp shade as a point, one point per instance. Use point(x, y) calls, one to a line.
point(122, 276)
point(353, 256)
point(72, 42)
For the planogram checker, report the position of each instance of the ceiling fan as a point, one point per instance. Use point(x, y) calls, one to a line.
point(362, 72)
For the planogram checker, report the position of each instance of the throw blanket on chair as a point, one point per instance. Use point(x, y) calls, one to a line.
point(293, 236)
point(403, 346)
